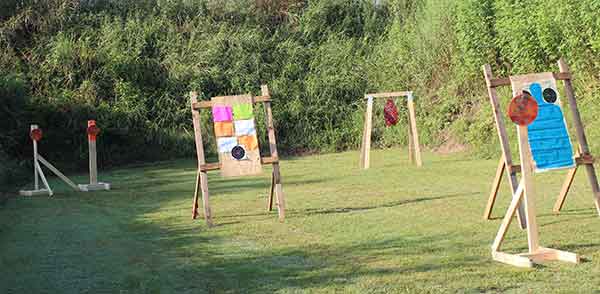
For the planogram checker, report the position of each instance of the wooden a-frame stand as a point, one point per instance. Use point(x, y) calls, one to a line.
point(203, 167)
point(525, 194)
point(414, 150)
point(582, 156)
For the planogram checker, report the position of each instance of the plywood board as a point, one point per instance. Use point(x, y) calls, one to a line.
point(548, 135)
point(238, 149)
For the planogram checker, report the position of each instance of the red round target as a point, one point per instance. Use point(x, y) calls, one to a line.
point(36, 134)
point(390, 113)
point(92, 130)
point(523, 109)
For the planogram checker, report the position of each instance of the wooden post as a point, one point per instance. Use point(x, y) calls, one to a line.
point(366, 142)
point(581, 138)
point(411, 148)
point(94, 185)
point(273, 148)
point(528, 189)
point(201, 175)
point(504, 144)
point(413, 126)
point(35, 160)
point(93, 163)
point(41, 173)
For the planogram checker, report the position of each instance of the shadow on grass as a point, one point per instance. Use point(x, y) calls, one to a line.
point(329, 267)
point(312, 211)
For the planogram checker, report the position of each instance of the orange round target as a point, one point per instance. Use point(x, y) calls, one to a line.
point(36, 134)
point(92, 130)
point(523, 109)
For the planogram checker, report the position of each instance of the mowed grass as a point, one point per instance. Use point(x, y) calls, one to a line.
point(394, 228)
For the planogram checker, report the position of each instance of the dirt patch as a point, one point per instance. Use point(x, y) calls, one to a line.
point(450, 145)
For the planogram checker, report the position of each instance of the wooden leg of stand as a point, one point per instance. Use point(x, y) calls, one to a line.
point(279, 192)
point(271, 192)
point(565, 190)
point(510, 213)
point(196, 196)
point(366, 142)
point(203, 177)
point(411, 147)
point(591, 173)
point(495, 187)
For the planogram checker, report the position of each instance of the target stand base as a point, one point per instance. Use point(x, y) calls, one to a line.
point(539, 256)
point(94, 187)
point(35, 192)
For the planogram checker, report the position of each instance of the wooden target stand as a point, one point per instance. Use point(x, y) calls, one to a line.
point(94, 185)
point(523, 110)
point(414, 149)
point(582, 156)
point(36, 135)
point(203, 167)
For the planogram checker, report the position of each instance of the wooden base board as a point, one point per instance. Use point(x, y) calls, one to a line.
point(540, 256)
point(94, 187)
point(35, 192)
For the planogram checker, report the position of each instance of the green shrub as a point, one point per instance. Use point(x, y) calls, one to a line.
point(131, 65)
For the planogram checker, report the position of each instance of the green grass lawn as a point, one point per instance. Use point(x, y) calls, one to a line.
point(394, 228)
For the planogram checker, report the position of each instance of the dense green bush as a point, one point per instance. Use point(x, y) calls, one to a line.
point(131, 65)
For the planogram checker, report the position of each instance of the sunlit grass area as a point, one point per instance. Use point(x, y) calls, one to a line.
point(392, 228)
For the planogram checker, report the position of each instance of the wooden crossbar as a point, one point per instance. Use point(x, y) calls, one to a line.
point(498, 82)
point(209, 104)
point(217, 165)
point(389, 94)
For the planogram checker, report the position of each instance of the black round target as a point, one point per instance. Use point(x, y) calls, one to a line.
point(549, 95)
point(238, 152)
